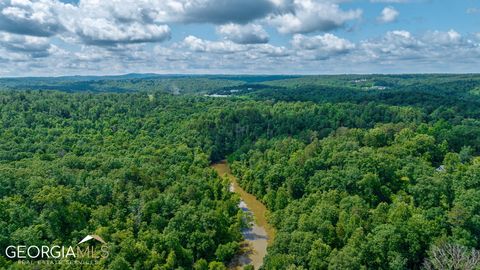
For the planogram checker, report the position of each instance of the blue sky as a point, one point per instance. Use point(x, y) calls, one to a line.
point(53, 37)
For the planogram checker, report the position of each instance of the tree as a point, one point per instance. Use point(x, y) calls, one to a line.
point(216, 266)
point(201, 264)
point(119, 263)
point(452, 256)
point(226, 252)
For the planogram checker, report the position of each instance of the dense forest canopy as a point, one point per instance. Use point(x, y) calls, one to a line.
point(359, 172)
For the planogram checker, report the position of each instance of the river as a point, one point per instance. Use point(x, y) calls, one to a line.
point(260, 235)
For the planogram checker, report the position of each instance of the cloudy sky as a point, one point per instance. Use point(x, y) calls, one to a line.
point(70, 37)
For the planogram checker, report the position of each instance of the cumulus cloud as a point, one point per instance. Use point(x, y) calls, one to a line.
point(244, 34)
point(443, 38)
point(107, 23)
point(395, 44)
point(271, 50)
point(395, 51)
point(305, 16)
point(31, 46)
point(196, 44)
point(221, 11)
point(388, 15)
point(92, 21)
point(321, 46)
point(100, 31)
point(221, 47)
point(30, 17)
point(111, 23)
point(111, 37)
point(432, 47)
point(187, 11)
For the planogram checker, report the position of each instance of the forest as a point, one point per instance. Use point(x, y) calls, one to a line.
point(358, 171)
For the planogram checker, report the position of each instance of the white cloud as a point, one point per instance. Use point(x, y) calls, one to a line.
point(221, 47)
point(220, 11)
point(124, 21)
point(96, 36)
point(443, 38)
point(95, 22)
point(227, 47)
point(268, 50)
point(101, 31)
point(431, 48)
point(107, 23)
point(327, 42)
point(31, 46)
point(244, 34)
point(187, 11)
point(388, 15)
point(305, 16)
point(396, 44)
point(30, 17)
point(321, 46)
point(112, 23)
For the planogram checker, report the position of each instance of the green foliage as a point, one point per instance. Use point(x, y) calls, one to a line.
point(216, 266)
point(226, 252)
point(201, 264)
point(112, 165)
point(120, 264)
point(371, 198)
point(356, 176)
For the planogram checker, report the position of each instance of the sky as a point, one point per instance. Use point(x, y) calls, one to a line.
point(98, 37)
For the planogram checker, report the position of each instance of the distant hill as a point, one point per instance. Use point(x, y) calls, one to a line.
point(134, 82)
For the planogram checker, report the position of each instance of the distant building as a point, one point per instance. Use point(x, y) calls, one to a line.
point(218, 96)
point(360, 81)
point(375, 87)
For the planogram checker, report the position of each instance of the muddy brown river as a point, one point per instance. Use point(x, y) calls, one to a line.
point(260, 235)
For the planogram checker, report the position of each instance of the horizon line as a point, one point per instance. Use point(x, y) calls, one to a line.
point(237, 74)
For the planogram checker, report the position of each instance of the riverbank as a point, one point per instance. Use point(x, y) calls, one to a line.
point(261, 234)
